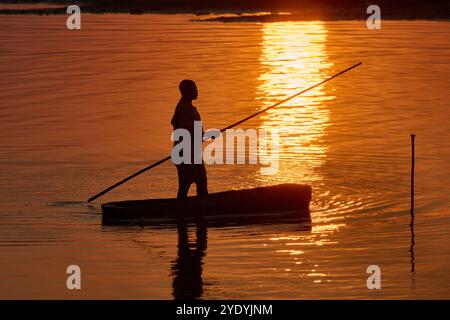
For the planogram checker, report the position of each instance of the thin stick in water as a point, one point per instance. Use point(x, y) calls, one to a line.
point(413, 137)
point(411, 225)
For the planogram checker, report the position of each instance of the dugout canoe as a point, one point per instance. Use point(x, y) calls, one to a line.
point(283, 201)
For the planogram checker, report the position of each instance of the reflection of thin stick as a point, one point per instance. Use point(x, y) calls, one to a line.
point(411, 225)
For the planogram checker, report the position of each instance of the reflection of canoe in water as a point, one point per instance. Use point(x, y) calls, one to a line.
point(284, 201)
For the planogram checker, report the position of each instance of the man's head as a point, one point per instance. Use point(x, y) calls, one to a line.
point(188, 89)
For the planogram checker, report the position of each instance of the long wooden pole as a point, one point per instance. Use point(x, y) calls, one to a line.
point(229, 127)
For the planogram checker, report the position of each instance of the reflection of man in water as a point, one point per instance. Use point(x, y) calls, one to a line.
point(183, 118)
point(187, 268)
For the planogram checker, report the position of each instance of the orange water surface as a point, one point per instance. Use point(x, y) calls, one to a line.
point(82, 109)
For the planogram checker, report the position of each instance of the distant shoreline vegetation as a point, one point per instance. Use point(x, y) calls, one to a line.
point(237, 11)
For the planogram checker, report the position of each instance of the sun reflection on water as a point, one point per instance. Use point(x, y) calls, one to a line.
point(293, 58)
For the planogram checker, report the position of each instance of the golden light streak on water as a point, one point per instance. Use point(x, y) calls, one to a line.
point(293, 58)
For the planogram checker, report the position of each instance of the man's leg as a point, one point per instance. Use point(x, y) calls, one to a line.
point(184, 181)
point(201, 180)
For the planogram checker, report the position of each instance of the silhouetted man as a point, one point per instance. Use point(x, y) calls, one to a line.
point(183, 118)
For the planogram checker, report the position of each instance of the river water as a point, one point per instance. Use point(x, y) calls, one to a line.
point(82, 109)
